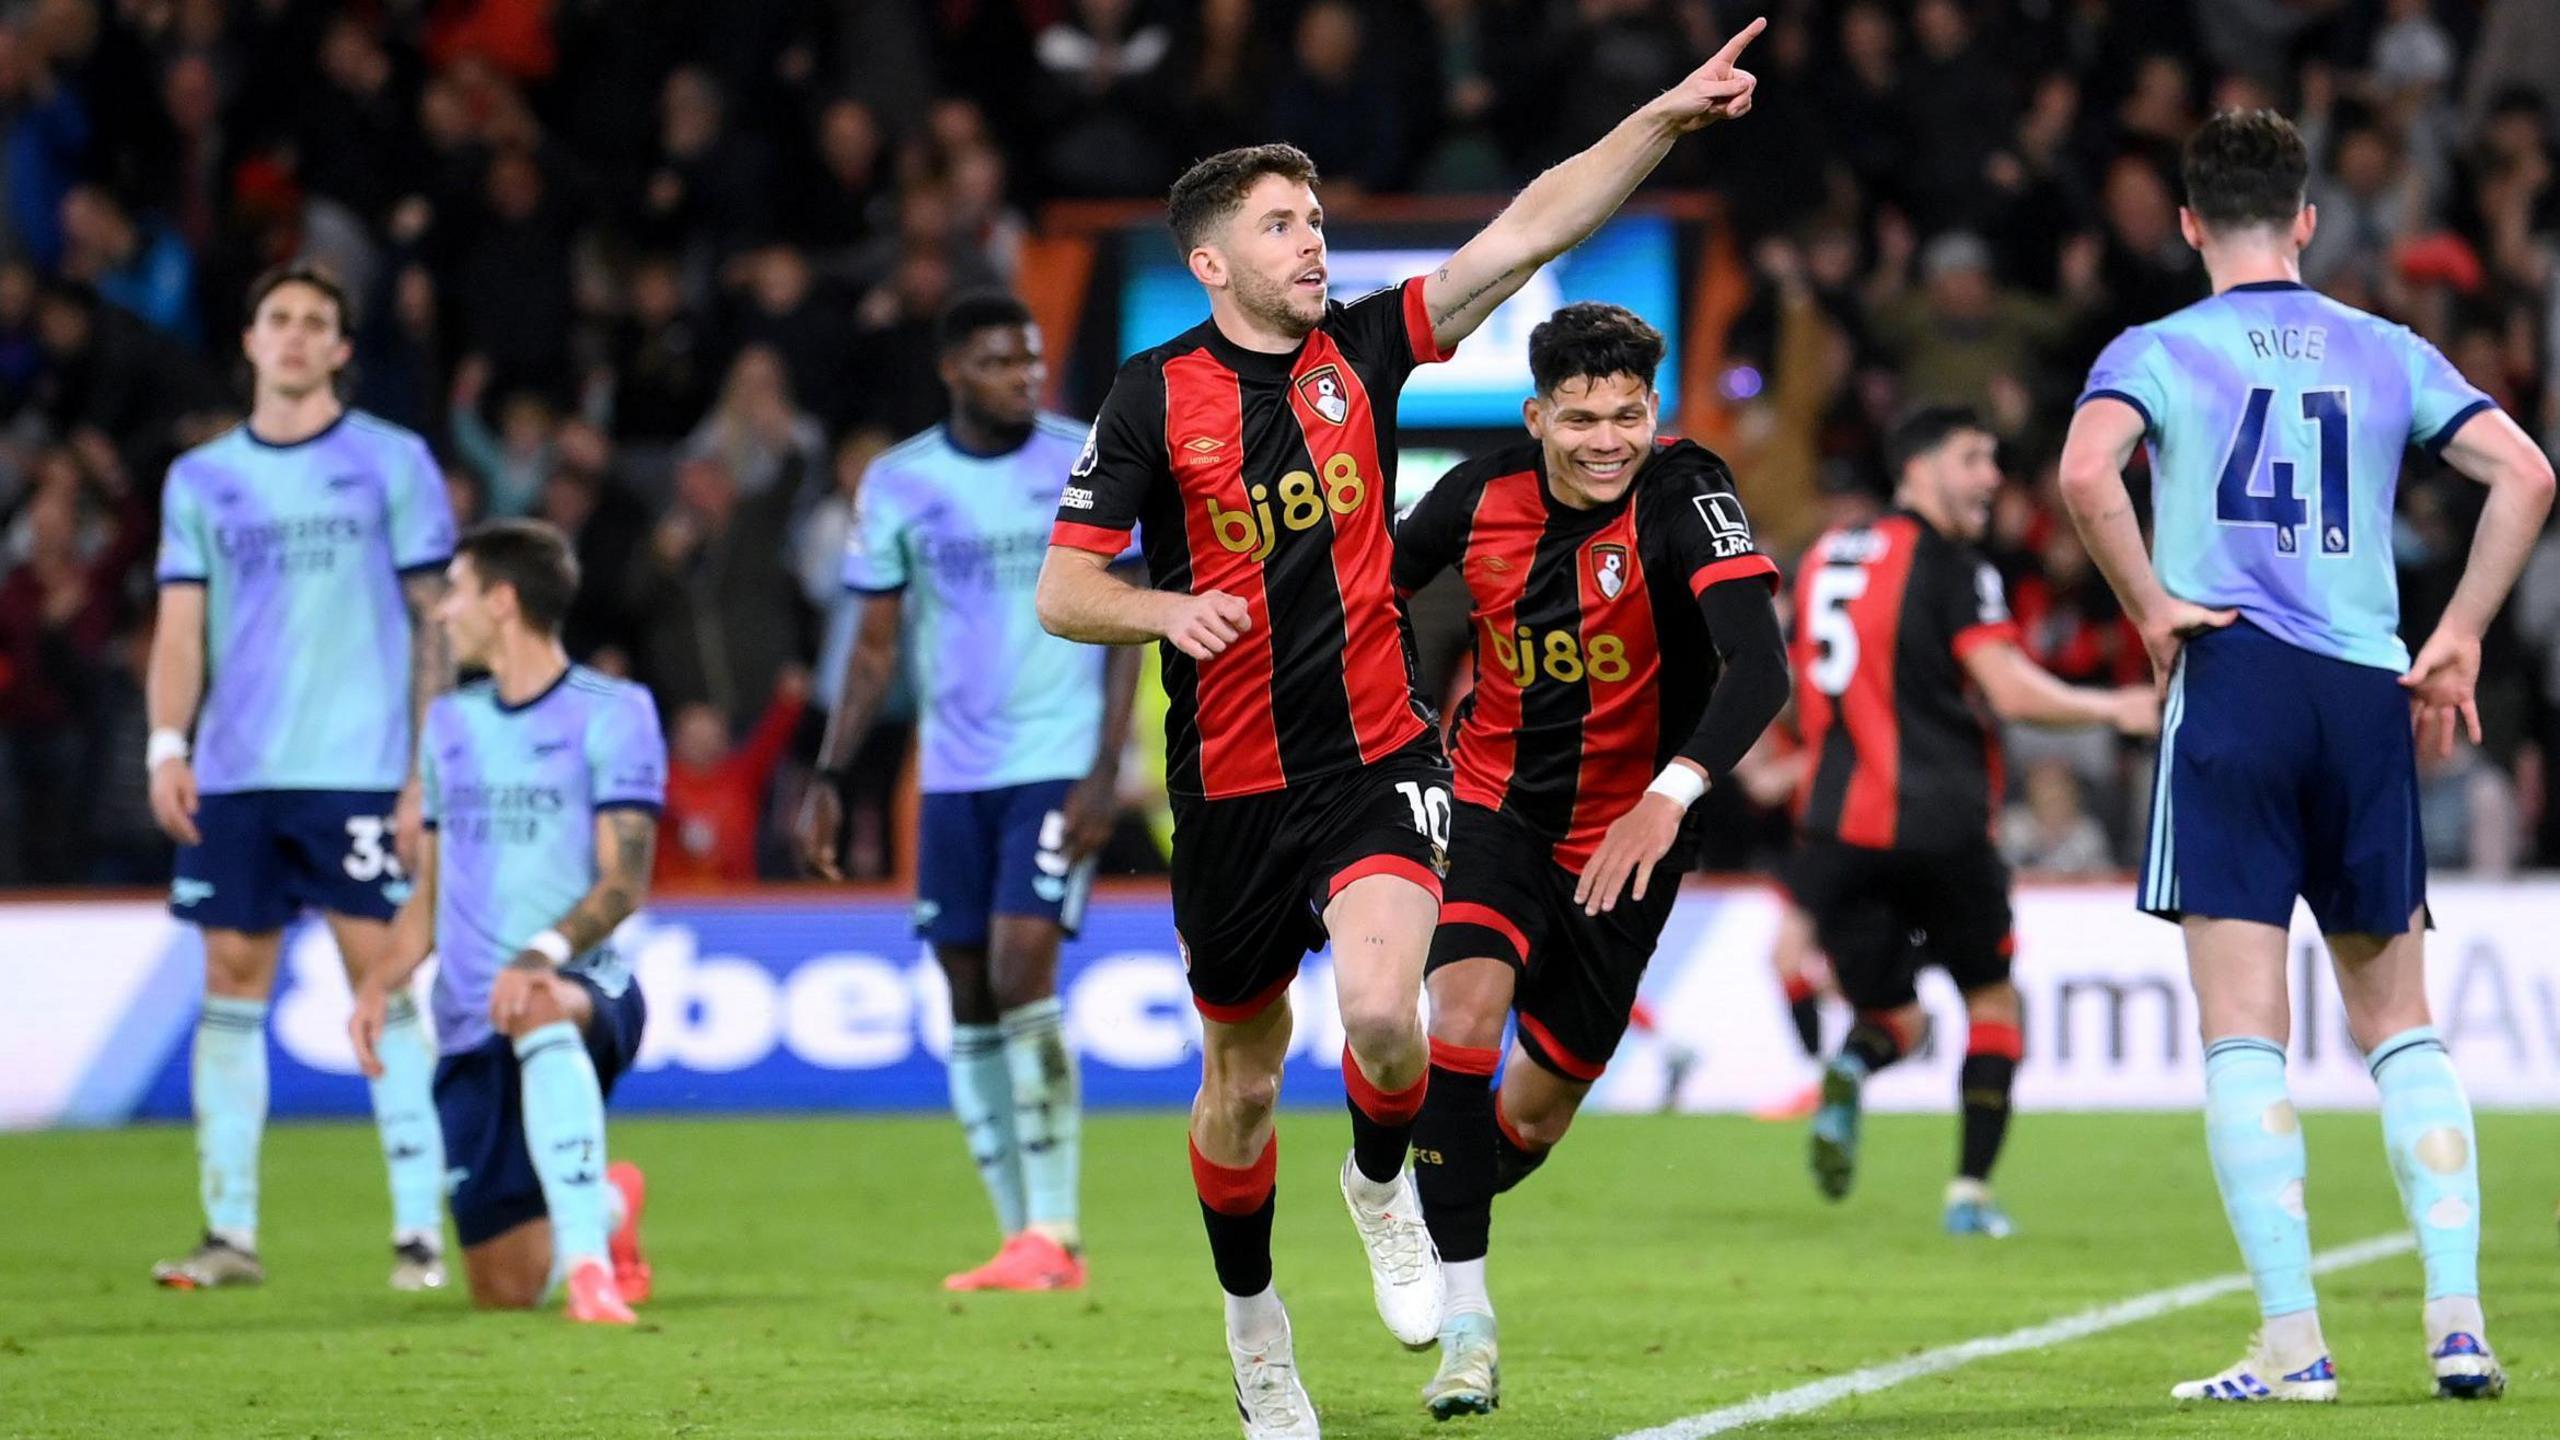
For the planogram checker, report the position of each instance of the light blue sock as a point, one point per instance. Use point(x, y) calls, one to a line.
point(2426, 1127)
point(564, 1128)
point(982, 1096)
point(1048, 1120)
point(230, 1085)
point(2256, 1142)
point(404, 1110)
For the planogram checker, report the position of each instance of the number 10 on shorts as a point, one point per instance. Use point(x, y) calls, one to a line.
point(1430, 809)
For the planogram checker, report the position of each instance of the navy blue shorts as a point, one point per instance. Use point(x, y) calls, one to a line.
point(270, 854)
point(2284, 773)
point(984, 853)
point(490, 1180)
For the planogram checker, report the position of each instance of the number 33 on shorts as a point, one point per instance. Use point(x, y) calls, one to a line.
point(369, 853)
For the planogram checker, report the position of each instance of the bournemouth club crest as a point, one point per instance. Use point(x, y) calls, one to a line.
point(1323, 388)
point(1609, 569)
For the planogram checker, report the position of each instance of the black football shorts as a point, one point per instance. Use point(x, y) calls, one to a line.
point(1507, 899)
point(1881, 915)
point(1252, 874)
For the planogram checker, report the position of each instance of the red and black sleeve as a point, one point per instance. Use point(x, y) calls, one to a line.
point(1123, 461)
point(1970, 604)
point(1390, 329)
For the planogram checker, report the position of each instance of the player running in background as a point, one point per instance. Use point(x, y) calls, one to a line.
point(1021, 761)
point(300, 556)
point(2276, 420)
point(542, 789)
point(1310, 799)
point(1627, 655)
point(1898, 623)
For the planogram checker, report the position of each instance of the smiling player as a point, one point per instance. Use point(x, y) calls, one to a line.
point(1627, 656)
point(1310, 800)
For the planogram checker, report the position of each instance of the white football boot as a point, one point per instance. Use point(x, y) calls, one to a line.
point(1269, 1398)
point(1404, 1266)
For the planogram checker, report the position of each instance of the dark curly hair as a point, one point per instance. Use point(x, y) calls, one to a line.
point(1592, 340)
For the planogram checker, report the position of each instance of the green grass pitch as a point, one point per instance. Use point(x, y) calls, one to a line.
point(1656, 1268)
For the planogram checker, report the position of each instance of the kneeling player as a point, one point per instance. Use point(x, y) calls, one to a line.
point(1606, 568)
point(1897, 621)
point(543, 785)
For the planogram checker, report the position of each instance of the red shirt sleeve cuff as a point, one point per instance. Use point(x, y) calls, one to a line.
point(1974, 637)
point(1417, 326)
point(1099, 540)
point(1740, 567)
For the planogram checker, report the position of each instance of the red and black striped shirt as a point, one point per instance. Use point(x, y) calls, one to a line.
point(1270, 477)
point(1903, 757)
point(1594, 657)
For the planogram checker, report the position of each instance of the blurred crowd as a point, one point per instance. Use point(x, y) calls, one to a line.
point(664, 272)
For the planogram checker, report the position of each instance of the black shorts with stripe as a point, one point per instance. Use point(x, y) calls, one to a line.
point(1882, 915)
point(1252, 874)
point(1507, 899)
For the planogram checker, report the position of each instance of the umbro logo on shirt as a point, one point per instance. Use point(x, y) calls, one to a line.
point(1203, 444)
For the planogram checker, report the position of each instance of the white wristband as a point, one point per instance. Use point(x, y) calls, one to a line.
point(165, 745)
point(1678, 783)
point(551, 945)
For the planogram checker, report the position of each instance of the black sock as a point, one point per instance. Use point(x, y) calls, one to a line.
point(1806, 1011)
point(1453, 1152)
point(1512, 1161)
point(1237, 1206)
point(1983, 1086)
point(1874, 1042)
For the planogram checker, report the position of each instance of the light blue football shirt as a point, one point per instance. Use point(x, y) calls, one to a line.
point(300, 549)
point(513, 793)
point(2276, 421)
point(1003, 702)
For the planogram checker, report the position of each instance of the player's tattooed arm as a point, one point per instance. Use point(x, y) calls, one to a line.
point(430, 657)
point(1450, 307)
point(626, 850)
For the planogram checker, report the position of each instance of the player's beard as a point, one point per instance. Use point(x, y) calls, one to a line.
point(1274, 304)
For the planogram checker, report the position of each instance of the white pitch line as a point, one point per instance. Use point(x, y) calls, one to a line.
point(1780, 1404)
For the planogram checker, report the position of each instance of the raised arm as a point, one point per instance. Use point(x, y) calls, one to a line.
point(2493, 450)
point(1563, 206)
point(2103, 434)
